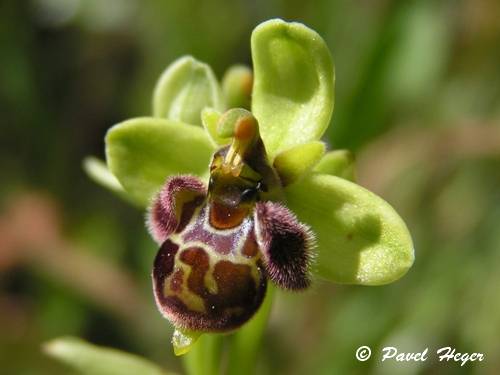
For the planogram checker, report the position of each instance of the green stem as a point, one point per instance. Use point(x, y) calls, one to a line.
point(204, 357)
point(245, 343)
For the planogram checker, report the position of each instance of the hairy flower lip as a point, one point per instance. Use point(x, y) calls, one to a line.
point(211, 271)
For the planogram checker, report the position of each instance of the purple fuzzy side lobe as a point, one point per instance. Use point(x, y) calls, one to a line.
point(286, 245)
point(163, 215)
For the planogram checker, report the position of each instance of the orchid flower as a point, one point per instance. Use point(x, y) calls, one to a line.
point(238, 197)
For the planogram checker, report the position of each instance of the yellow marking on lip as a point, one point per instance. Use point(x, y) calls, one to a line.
point(192, 301)
point(209, 279)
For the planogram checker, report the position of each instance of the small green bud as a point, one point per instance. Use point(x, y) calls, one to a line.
point(184, 89)
point(295, 162)
point(338, 163)
point(237, 86)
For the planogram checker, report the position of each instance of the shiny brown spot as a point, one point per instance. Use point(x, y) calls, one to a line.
point(235, 284)
point(225, 217)
point(250, 247)
point(238, 297)
point(197, 258)
point(164, 261)
point(187, 212)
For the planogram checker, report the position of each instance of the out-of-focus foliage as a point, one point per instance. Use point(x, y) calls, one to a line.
point(94, 360)
point(417, 100)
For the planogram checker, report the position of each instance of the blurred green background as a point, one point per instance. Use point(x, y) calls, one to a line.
point(417, 100)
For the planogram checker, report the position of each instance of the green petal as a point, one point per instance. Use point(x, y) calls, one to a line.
point(361, 239)
point(298, 160)
point(98, 360)
point(209, 119)
point(98, 171)
point(237, 86)
point(293, 90)
point(338, 163)
point(143, 152)
point(184, 89)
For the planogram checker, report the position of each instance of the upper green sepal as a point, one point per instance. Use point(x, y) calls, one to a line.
point(361, 239)
point(295, 162)
point(338, 163)
point(293, 91)
point(144, 151)
point(184, 89)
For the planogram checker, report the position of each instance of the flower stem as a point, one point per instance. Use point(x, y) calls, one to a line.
point(204, 358)
point(245, 343)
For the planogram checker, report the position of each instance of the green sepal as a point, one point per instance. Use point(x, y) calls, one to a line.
point(98, 171)
point(361, 239)
point(209, 119)
point(91, 359)
point(338, 163)
point(293, 90)
point(143, 152)
point(295, 162)
point(184, 89)
point(237, 86)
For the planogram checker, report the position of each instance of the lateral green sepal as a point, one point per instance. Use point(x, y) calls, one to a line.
point(361, 239)
point(143, 152)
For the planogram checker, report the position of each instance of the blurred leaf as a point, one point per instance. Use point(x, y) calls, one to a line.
point(361, 239)
point(184, 89)
point(418, 58)
point(293, 90)
point(143, 152)
point(338, 163)
point(98, 360)
point(237, 86)
point(361, 116)
point(295, 162)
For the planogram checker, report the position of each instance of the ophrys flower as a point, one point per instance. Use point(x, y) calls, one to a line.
point(282, 175)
